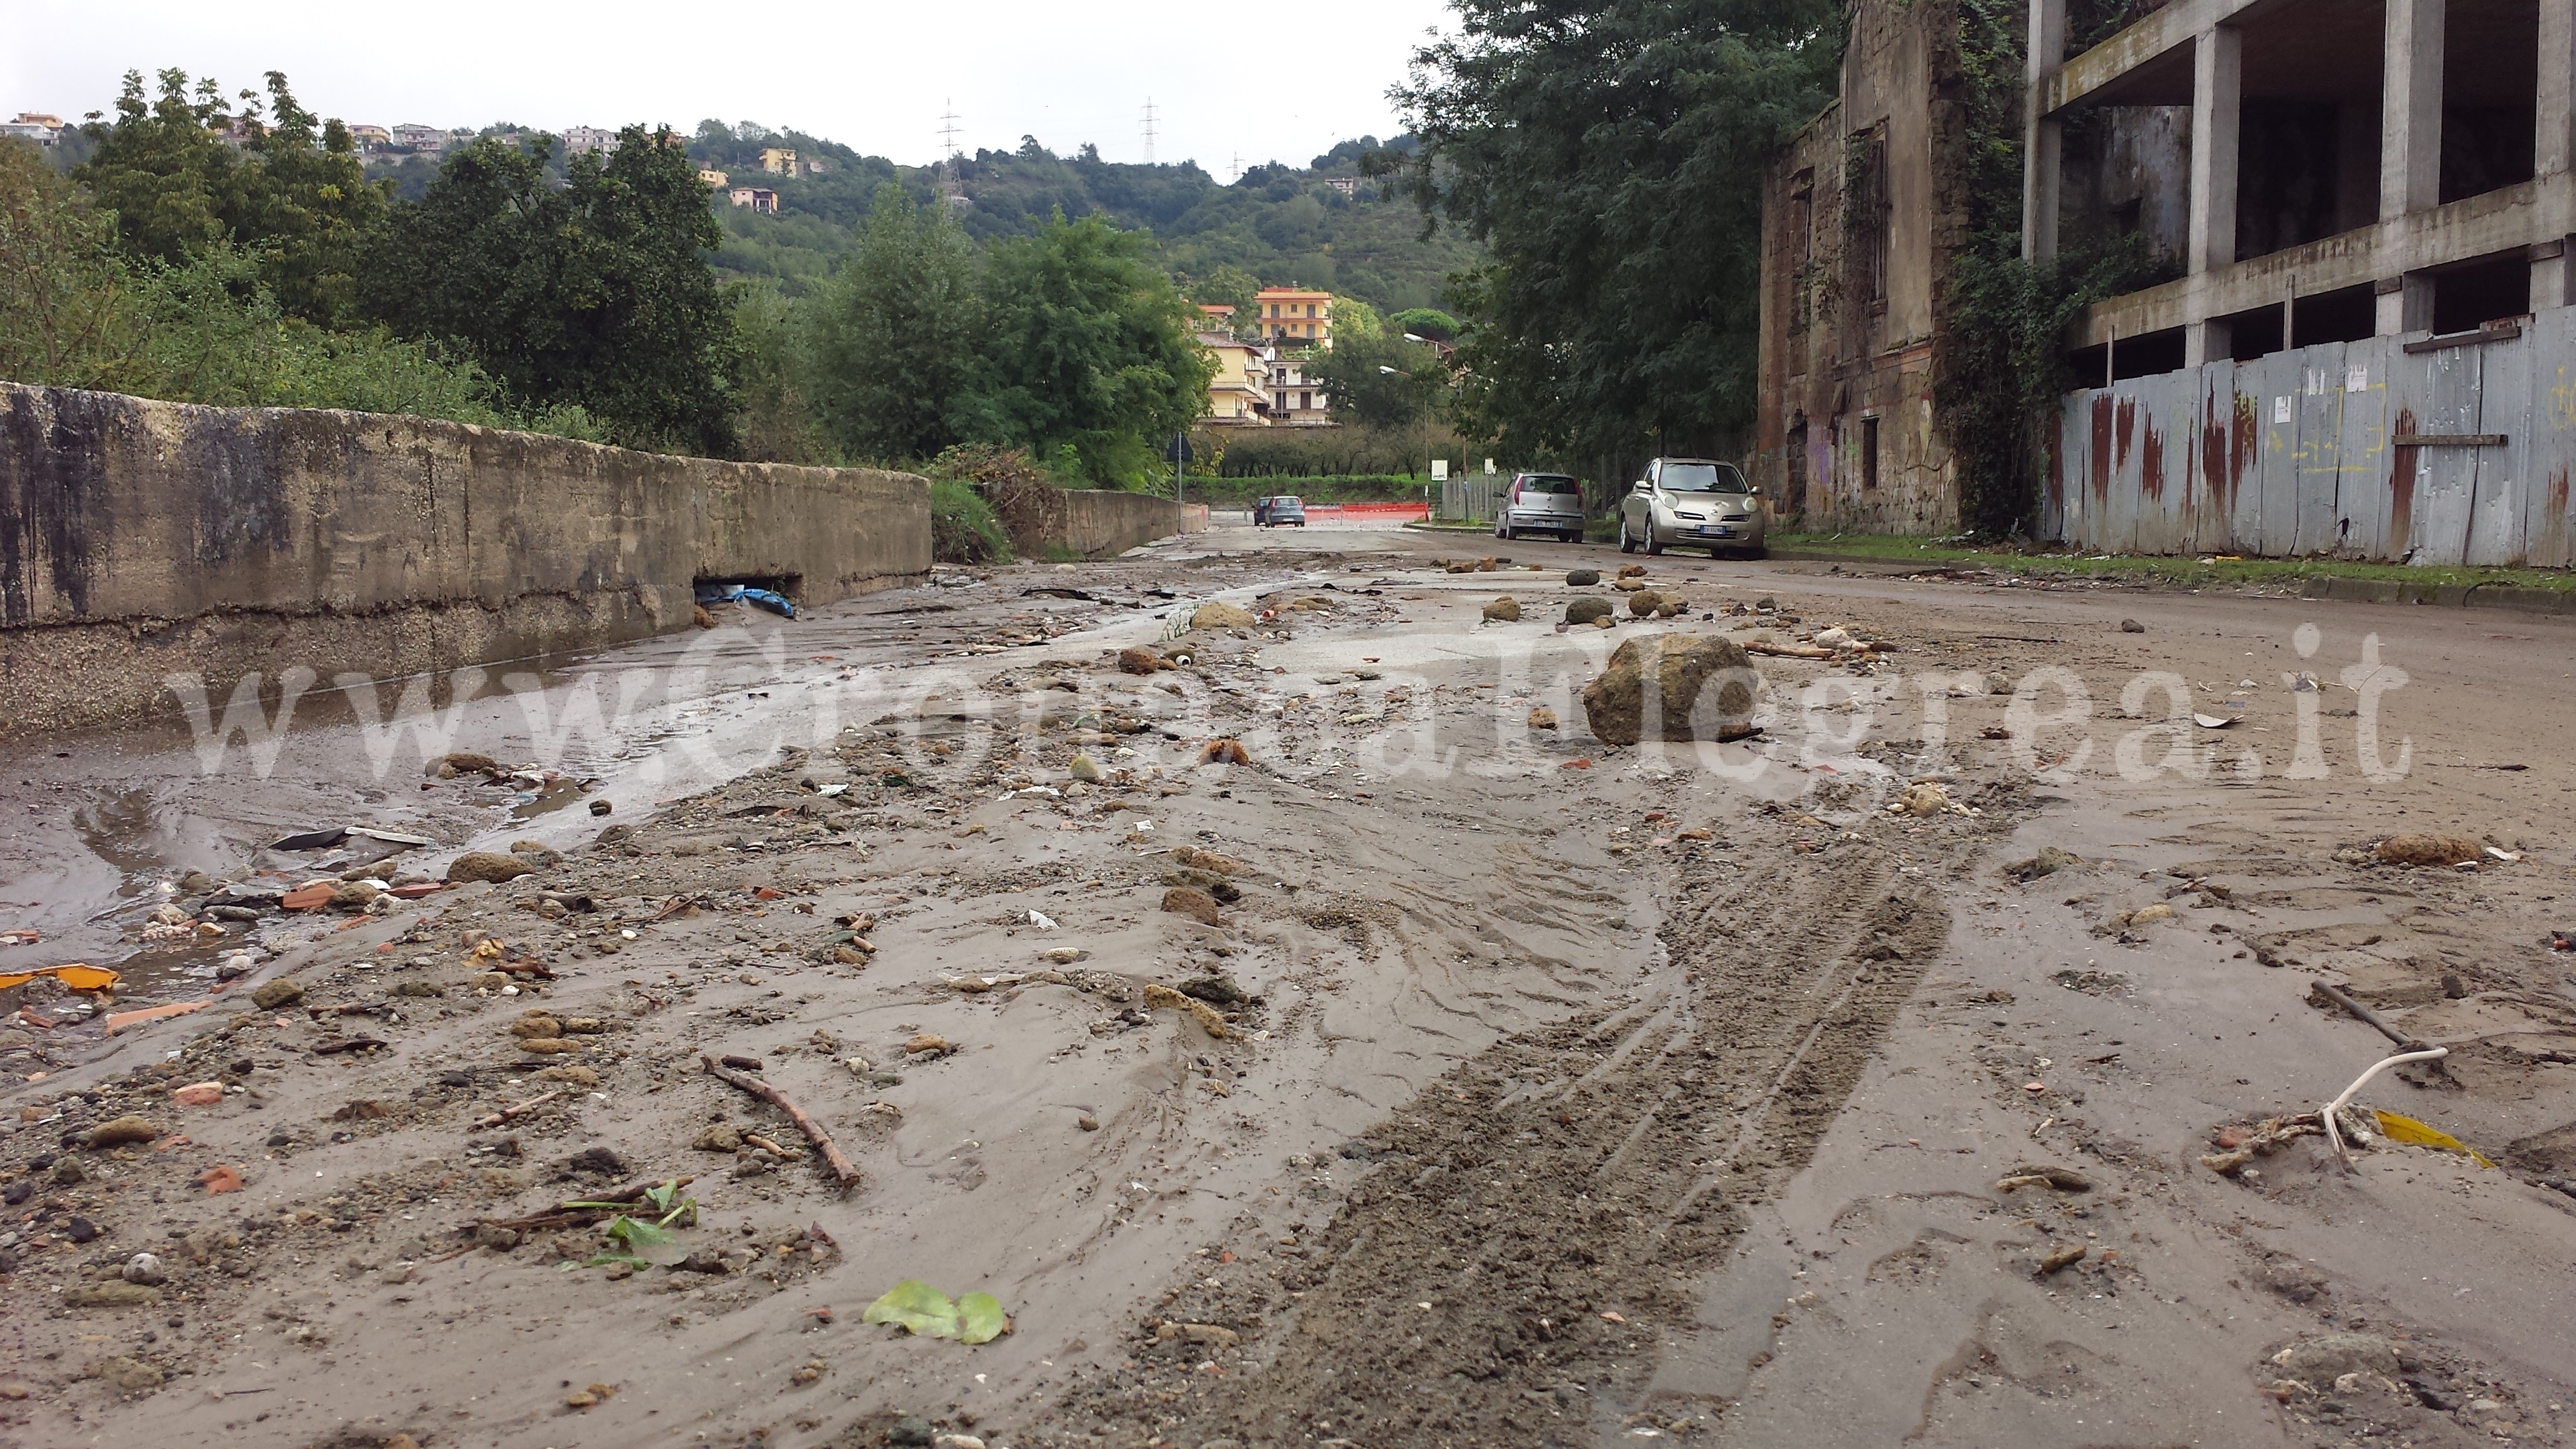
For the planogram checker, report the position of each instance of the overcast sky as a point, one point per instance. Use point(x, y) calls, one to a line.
point(1279, 85)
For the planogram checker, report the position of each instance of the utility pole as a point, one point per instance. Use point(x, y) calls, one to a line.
point(949, 188)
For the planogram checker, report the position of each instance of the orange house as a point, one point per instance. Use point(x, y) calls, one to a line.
point(1293, 314)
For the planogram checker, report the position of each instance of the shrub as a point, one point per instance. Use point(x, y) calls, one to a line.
point(963, 527)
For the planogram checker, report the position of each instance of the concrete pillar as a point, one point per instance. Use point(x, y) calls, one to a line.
point(2410, 118)
point(2553, 150)
point(2042, 161)
point(2217, 88)
point(2405, 305)
point(2217, 93)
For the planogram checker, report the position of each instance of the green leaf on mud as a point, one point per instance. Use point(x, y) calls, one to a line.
point(980, 1318)
point(919, 1307)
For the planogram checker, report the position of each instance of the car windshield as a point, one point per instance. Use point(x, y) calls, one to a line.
point(1550, 483)
point(1703, 478)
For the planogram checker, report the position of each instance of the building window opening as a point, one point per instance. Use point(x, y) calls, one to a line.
point(2490, 94)
point(2147, 354)
point(1869, 455)
point(2489, 289)
point(2256, 332)
point(2345, 315)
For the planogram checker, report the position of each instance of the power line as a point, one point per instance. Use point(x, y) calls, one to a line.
point(1149, 130)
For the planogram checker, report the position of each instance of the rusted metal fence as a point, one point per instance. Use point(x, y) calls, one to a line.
point(2445, 450)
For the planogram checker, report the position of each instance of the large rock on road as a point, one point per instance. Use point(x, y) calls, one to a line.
point(1673, 687)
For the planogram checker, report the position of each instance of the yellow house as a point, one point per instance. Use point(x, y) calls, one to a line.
point(779, 160)
point(1293, 314)
point(1236, 394)
point(714, 178)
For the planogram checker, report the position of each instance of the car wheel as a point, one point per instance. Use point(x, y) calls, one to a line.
point(1624, 545)
point(1757, 551)
point(1654, 547)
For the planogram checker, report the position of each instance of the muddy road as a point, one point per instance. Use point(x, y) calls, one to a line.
point(1436, 1074)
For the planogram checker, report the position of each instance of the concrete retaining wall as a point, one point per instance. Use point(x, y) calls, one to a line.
point(1097, 522)
point(2445, 451)
point(141, 538)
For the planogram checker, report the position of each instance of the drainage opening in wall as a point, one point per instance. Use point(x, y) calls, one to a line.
point(773, 592)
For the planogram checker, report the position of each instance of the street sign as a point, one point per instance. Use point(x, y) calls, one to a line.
point(1439, 470)
point(1489, 467)
point(1179, 451)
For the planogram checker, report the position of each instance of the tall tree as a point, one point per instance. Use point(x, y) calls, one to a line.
point(1611, 154)
point(1088, 346)
point(294, 195)
point(596, 293)
point(893, 334)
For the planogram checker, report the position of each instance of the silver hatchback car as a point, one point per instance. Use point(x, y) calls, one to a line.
point(1542, 503)
point(1691, 503)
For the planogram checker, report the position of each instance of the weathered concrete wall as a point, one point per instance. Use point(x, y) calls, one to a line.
point(1861, 215)
point(2455, 451)
point(140, 538)
point(1096, 522)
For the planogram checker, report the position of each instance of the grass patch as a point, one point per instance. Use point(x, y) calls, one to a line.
point(963, 527)
point(2196, 571)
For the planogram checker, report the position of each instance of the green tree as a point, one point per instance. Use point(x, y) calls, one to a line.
point(595, 293)
point(1226, 286)
point(772, 380)
point(295, 196)
point(1610, 152)
point(893, 334)
point(1378, 379)
point(1088, 348)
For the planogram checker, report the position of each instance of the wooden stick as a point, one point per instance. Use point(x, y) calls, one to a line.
point(844, 1170)
point(507, 1114)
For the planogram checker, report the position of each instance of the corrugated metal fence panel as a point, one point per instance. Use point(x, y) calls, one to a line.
point(2501, 478)
point(2061, 501)
point(2265, 443)
point(2362, 491)
point(2315, 449)
point(2551, 344)
point(2431, 488)
point(2167, 432)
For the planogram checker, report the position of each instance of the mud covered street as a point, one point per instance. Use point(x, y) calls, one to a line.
point(1242, 961)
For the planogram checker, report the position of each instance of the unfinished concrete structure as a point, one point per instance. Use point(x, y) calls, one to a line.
point(2366, 352)
point(1861, 214)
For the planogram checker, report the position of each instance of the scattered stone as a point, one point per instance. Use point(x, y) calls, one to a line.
point(113, 1293)
point(2049, 861)
point(2433, 850)
point(199, 1094)
point(1583, 578)
point(1221, 616)
point(2148, 914)
point(1587, 609)
point(1157, 996)
point(1140, 661)
point(698, 615)
point(308, 897)
point(1542, 718)
point(126, 1375)
point(2132, 626)
point(236, 967)
point(570, 1074)
point(1192, 902)
point(602, 807)
point(2318, 1362)
point(488, 865)
point(2064, 1179)
point(1087, 1122)
point(1644, 602)
point(1703, 689)
point(1924, 797)
point(2065, 1255)
point(448, 767)
point(144, 1268)
point(1997, 684)
point(119, 1131)
point(272, 995)
point(538, 1023)
point(1632, 571)
point(927, 1043)
point(1215, 990)
point(911, 1432)
point(1504, 610)
point(1223, 752)
point(68, 1172)
point(1085, 769)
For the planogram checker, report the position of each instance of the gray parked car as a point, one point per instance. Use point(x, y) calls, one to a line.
point(1691, 503)
point(1542, 503)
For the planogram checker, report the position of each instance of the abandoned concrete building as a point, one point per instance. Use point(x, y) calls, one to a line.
point(2364, 348)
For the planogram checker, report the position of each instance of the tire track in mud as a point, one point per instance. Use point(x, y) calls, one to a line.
point(1462, 1293)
